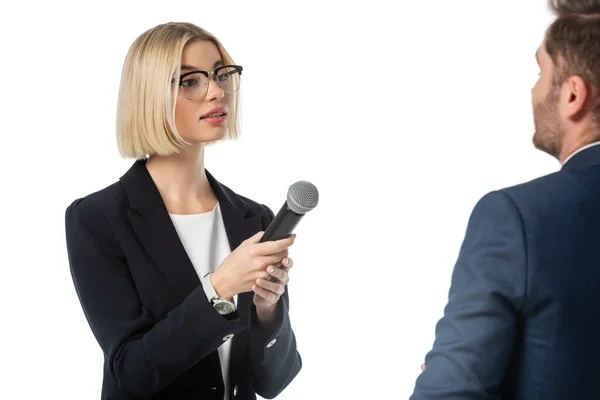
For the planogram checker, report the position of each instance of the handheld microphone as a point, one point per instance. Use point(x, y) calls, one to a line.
point(302, 197)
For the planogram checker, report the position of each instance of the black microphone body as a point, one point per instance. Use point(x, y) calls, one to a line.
point(283, 224)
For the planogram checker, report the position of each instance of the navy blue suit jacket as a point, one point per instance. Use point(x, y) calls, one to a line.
point(523, 314)
point(148, 311)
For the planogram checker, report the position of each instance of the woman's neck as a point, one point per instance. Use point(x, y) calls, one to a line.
point(182, 183)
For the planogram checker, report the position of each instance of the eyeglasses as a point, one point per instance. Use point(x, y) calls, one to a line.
point(194, 84)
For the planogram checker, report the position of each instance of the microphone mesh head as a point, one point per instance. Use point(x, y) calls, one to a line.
point(302, 197)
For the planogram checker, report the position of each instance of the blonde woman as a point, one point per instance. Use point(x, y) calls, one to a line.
point(183, 299)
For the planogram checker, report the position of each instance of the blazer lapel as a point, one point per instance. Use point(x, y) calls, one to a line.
point(239, 226)
point(153, 226)
point(239, 223)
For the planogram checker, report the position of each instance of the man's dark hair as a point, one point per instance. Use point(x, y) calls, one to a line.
point(573, 43)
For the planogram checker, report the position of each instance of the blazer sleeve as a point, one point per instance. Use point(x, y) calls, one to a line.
point(144, 355)
point(474, 338)
point(273, 354)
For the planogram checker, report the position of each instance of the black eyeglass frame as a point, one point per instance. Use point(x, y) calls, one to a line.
point(212, 75)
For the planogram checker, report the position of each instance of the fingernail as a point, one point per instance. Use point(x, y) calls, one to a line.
point(286, 261)
point(271, 269)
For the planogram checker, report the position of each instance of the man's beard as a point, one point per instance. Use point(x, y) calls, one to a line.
point(549, 133)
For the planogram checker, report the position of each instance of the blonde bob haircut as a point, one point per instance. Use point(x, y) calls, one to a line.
point(146, 102)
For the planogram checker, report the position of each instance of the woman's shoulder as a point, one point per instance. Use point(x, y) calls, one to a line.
point(90, 223)
point(101, 201)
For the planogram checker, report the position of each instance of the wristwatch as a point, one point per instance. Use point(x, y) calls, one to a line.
point(221, 305)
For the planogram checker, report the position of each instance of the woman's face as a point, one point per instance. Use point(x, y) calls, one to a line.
point(191, 116)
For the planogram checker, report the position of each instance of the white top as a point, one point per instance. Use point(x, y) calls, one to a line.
point(580, 149)
point(205, 241)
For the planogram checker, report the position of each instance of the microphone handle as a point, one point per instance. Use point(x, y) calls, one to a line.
point(282, 225)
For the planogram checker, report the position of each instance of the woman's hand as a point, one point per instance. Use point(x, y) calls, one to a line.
point(241, 269)
point(268, 291)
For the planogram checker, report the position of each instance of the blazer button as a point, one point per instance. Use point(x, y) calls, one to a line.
point(235, 390)
point(271, 343)
point(227, 337)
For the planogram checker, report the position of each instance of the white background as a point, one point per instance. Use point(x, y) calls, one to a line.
point(402, 115)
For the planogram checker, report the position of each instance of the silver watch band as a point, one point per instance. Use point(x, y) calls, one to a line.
point(209, 289)
point(222, 305)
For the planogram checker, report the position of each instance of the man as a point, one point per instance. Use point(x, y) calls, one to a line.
point(523, 313)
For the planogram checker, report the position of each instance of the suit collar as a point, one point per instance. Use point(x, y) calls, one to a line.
point(144, 196)
point(153, 226)
point(587, 156)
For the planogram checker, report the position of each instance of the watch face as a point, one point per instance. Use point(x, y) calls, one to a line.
point(224, 307)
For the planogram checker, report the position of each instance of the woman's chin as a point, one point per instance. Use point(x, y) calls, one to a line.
point(208, 137)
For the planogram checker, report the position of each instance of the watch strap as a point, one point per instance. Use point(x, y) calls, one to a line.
point(208, 287)
point(212, 295)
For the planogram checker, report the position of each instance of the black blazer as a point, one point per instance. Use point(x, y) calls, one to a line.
point(147, 309)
